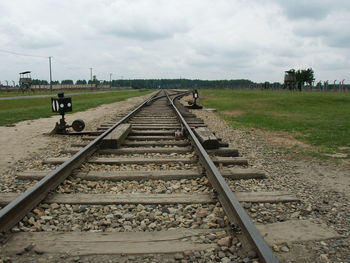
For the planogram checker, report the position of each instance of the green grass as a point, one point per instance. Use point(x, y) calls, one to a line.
point(42, 92)
point(319, 119)
point(12, 111)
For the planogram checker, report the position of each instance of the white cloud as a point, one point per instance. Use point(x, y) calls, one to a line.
point(136, 20)
point(205, 39)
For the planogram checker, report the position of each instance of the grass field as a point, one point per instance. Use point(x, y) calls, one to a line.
point(42, 92)
point(12, 111)
point(319, 119)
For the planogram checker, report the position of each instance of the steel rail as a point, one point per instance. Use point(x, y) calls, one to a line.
point(11, 214)
point(234, 211)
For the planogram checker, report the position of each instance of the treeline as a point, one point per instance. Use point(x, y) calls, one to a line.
point(44, 82)
point(63, 82)
point(301, 77)
point(180, 83)
point(160, 83)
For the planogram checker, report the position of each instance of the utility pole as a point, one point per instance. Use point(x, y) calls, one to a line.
point(50, 73)
point(91, 76)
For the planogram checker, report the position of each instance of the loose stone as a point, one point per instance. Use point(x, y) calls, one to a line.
point(226, 241)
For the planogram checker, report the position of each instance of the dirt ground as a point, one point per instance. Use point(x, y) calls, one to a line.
point(29, 137)
point(327, 173)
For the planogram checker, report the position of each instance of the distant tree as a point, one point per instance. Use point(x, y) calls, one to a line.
point(55, 82)
point(81, 82)
point(309, 76)
point(39, 82)
point(94, 81)
point(299, 78)
point(67, 82)
point(266, 85)
point(304, 76)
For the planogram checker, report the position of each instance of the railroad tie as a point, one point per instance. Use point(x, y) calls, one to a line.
point(137, 160)
point(161, 199)
point(232, 173)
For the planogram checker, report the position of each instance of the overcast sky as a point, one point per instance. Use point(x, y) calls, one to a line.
point(204, 39)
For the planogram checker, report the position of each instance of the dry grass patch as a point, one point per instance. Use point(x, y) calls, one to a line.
point(233, 113)
point(281, 139)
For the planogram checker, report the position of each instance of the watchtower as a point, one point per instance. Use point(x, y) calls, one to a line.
point(290, 79)
point(25, 81)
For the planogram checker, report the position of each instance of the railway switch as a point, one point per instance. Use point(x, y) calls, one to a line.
point(194, 104)
point(195, 94)
point(61, 105)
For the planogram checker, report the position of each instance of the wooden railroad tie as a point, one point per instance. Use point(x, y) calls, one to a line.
point(161, 199)
point(206, 138)
point(232, 173)
point(116, 138)
point(159, 242)
point(90, 243)
point(224, 152)
point(140, 160)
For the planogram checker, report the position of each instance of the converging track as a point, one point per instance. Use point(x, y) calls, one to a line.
point(145, 189)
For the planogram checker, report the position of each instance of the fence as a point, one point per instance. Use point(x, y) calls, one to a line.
point(63, 87)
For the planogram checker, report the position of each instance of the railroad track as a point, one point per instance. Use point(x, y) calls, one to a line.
point(143, 190)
